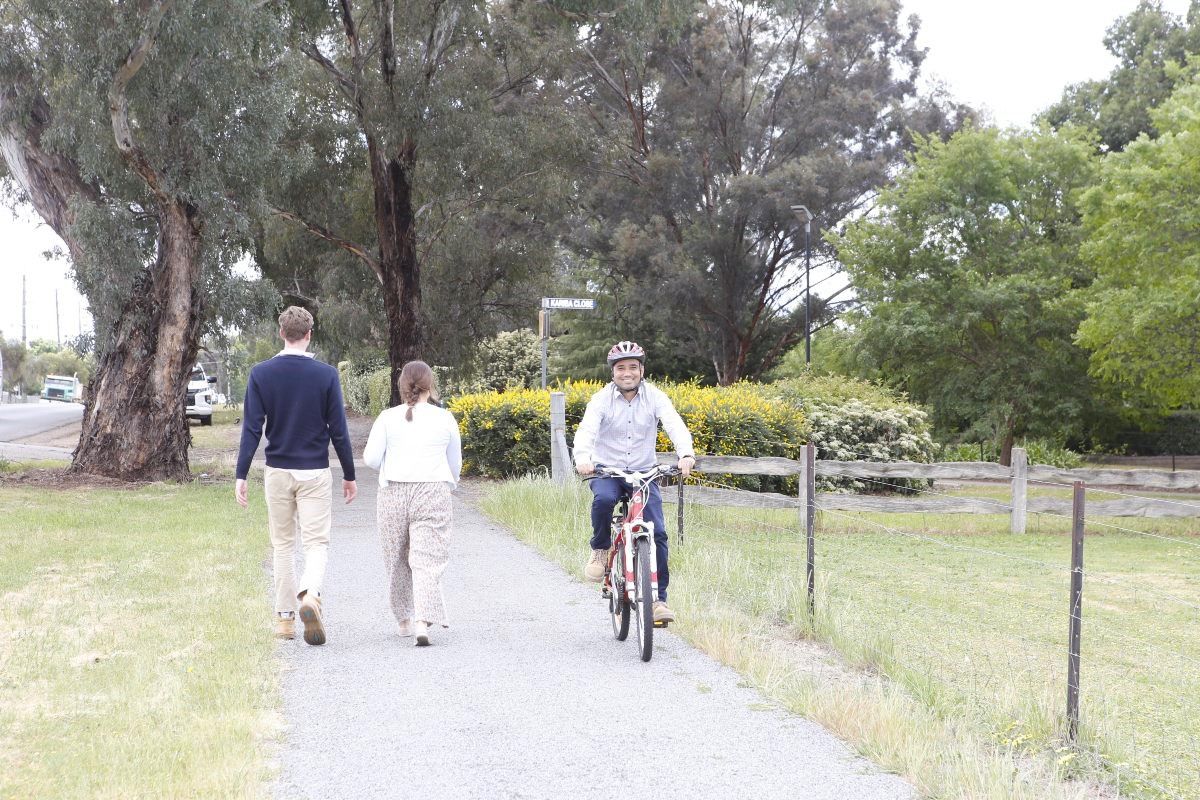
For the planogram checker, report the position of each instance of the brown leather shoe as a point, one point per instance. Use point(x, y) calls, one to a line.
point(285, 627)
point(662, 613)
point(310, 615)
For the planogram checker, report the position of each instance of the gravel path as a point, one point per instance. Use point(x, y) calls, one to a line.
point(521, 697)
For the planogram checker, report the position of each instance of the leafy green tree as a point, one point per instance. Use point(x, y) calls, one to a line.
point(1146, 43)
point(12, 355)
point(428, 138)
point(712, 121)
point(970, 277)
point(1143, 323)
point(141, 133)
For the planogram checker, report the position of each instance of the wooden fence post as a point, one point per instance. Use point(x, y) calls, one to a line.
point(558, 427)
point(1076, 626)
point(1020, 483)
point(808, 491)
point(679, 513)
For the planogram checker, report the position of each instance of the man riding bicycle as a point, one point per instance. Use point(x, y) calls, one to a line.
point(619, 429)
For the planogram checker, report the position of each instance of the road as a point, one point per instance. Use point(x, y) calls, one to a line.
point(20, 420)
point(527, 695)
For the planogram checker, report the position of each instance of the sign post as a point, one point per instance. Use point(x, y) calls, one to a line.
point(560, 304)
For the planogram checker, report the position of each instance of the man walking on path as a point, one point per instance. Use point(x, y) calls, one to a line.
point(300, 399)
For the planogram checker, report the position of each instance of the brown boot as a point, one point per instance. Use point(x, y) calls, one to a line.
point(285, 627)
point(594, 570)
point(310, 615)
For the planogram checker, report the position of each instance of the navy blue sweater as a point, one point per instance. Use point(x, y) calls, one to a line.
point(301, 400)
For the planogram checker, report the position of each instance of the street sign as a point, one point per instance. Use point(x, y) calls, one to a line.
point(569, 303)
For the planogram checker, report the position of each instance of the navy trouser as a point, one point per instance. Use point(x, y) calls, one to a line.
point(607, 492)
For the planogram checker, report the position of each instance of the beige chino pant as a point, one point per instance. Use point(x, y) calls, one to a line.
point(305, 506)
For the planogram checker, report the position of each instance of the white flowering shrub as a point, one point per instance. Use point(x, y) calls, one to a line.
point(856, 431)
point(854, 420)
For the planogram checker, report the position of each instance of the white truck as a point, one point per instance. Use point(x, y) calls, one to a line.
point(64, 388)
point(200, 395)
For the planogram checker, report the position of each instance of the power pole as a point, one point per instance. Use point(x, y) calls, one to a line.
point(57, 322)
point(24, 337)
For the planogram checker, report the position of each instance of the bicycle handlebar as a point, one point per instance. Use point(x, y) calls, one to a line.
point(636, 476)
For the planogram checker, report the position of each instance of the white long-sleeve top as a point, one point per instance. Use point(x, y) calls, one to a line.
point(622, 433)
point(426, 450)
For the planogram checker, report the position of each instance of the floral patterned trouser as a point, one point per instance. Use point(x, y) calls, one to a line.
point(414, 527)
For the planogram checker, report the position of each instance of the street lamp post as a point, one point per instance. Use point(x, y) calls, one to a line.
point(807, 220)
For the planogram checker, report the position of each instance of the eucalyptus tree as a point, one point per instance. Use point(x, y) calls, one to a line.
point(716, 118)
point(137, 131)
point(433, 134)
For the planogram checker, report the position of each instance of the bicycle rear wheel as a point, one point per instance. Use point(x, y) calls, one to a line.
point(643, 600)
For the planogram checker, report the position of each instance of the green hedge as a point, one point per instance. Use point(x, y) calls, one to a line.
point(366, 388)
point(1047, 452)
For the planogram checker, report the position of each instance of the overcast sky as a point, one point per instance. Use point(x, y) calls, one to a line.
point(1010, 58)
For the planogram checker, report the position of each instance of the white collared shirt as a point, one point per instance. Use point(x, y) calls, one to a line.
point(622, 433)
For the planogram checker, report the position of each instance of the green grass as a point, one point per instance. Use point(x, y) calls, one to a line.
point(12, 467)
point(135, 644)
point(223, 434)
point(968, 624)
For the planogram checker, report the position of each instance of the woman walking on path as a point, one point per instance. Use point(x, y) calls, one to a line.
point(418, 452)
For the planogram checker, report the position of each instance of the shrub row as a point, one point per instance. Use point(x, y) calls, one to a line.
point(1038, 451)
point(508, 433)
point(366, 388)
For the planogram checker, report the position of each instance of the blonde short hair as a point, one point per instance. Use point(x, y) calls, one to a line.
point(294, 323)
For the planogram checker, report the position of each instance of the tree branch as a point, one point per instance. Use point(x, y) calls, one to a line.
point(344, 82)
point(118, 101)
point(329, 236)
point(387, 41)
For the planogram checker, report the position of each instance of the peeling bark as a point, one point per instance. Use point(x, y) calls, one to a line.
point(134, 426)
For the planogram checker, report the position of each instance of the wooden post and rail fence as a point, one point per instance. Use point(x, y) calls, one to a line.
point(1018, 476)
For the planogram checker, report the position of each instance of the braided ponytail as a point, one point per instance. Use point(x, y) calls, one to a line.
point(415, 379)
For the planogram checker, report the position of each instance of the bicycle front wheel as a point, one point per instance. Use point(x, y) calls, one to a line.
point(618, 608)
point(643, 608)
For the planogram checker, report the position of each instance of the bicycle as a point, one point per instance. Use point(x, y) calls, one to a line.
point(632, 587)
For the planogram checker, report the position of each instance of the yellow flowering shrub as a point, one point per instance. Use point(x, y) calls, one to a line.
point(739, 421)
point(508, 433)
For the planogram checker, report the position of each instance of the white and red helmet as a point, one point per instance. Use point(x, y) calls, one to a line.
point(623, 350)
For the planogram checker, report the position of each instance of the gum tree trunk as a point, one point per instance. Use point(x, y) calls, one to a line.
point(400, 270)
point(134, 426)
